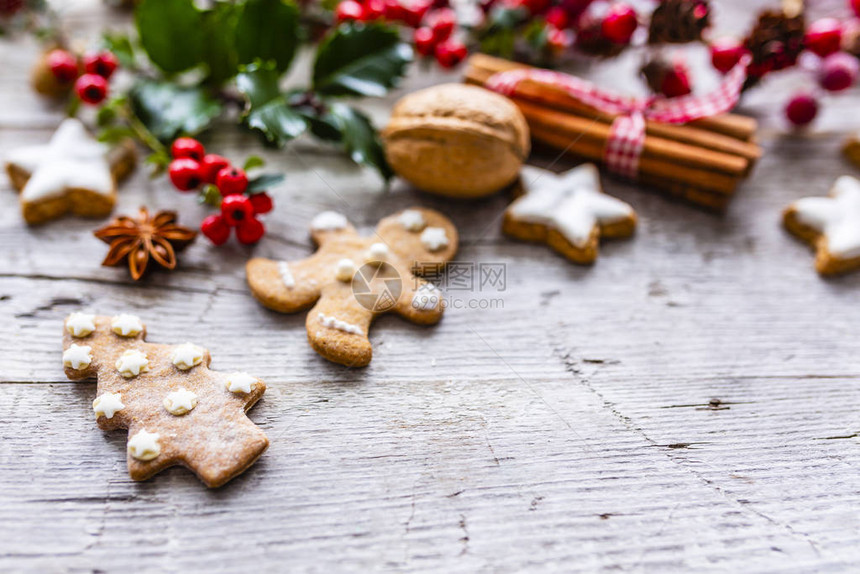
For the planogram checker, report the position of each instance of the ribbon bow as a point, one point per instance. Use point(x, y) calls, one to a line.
point(627, 133)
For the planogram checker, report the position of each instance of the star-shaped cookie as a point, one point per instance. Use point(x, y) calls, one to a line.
point(831, 225)
point(570, 213)
point(72, 173)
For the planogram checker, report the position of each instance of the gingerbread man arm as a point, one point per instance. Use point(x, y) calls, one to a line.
point(178, 412)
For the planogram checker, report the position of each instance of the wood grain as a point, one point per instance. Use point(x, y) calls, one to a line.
point(690, 403)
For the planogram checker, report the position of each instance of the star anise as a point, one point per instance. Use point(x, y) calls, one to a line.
point(142, 239)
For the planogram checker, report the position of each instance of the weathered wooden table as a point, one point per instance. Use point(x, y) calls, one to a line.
point(690, 403)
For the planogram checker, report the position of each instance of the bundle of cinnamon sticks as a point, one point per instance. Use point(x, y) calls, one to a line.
point(702, 161)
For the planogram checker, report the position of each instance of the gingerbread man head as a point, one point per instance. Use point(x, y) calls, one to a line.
point(351, 279)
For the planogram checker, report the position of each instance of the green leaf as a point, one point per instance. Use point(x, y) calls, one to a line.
point(115, 134)
point(263, 182)
point(168, 110)
point(159, 161)
point(253, 162)
point(219, 25)
point(357, 59)
point(266, 107)
point(120, 45)
point(209, 195)
point(267, 30)
point(360, 138)
point(171, 32)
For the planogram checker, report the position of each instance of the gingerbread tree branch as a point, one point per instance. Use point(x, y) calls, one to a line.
point(351, 279)
point(176, 410)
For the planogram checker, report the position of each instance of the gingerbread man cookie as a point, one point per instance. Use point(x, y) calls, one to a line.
point(73, 173)
point(831, 225)
point(570, 213)
point(351, 280)
point(176, 410)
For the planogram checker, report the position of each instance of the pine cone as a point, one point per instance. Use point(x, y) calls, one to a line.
point(679, 21)
point(775, 44)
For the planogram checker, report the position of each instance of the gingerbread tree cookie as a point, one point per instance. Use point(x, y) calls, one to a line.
point(570, 213)
point(831, 225)
point(351, 280)
point(176, 410)
point(73, 173)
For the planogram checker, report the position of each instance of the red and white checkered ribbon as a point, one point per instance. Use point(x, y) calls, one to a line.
point(627, 133)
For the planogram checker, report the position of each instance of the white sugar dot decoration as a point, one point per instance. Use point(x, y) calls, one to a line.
point(107, 405)
point(187, 356)
point(126, 325)
point(80, 324)
point(412, 220)
point(434, 238)
point(180, 402)
point(132, 363)
point(345, 270)
point(240, 382)
point(77, 357)
point(144, 445)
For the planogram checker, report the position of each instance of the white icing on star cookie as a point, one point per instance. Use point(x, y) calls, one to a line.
point(344, 270)
point(240, 382)
point(426, 298)
point(180, 402)
point(187, 356)
point(132, 363)
point(335, 323)
point(107, 405)
point(434, 238)
point(572, 204)
point(71, 160)
point(412, 219)
point(286, 274)
point(329, 221)
point(77, 357)
point(837, 217)
point(377, 253)
point(144, 445)
point(80, 324)
point(126, 325)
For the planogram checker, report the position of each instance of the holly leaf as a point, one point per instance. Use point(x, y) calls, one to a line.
point(220, 57)
point(359, 138)
point(252, 162)
point(267, 30)
point(171, 32)
point(169, 110)
point(357, 59)
point(266, 108)
point(263, 182)
point(120, 45)
point(209, 195)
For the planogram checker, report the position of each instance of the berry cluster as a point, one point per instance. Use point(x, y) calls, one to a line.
point(89, 74)
point(192, 168)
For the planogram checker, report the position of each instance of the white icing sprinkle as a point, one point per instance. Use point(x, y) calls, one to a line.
point(240, 382)
point(132, 363)
point(344, 270)
point(412, 219)
point(377, 253)
point(80, 324)
point(573, 204)
point(71, 160)
point(434, 238)
point(329, 221)
point(334, 323)
point(187, 356)
point(77, 357)
point(426, 298)
point(286, 274)
point(126, 325)
point(144, 445)
point(180, 402)
point(837, 217)
point(107, 405)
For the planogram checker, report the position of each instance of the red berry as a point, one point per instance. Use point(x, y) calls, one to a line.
point(8, 8)
point(414, 11)
point(558, 40)
point(838, 72)
point(450, 53)
point(91, 89)
point(855, 5)
point(725, 53)
point(374, 9)
point(261, 202)
point(349, 10)
point(535, 6)
point(236, 209)
point(394, 11)
point(823, 37)
point(250, 231)
point(442, 22)
point(103, 64)
point(187, 147)
point(231, 180)
point(676, 82)
point(185, 174)
point(215, 229)
point(619, 24)
point(63, 66)
point(210, 165)
point(425, 43)
point(801, 109)
point(557, 18)
point(575, 8)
